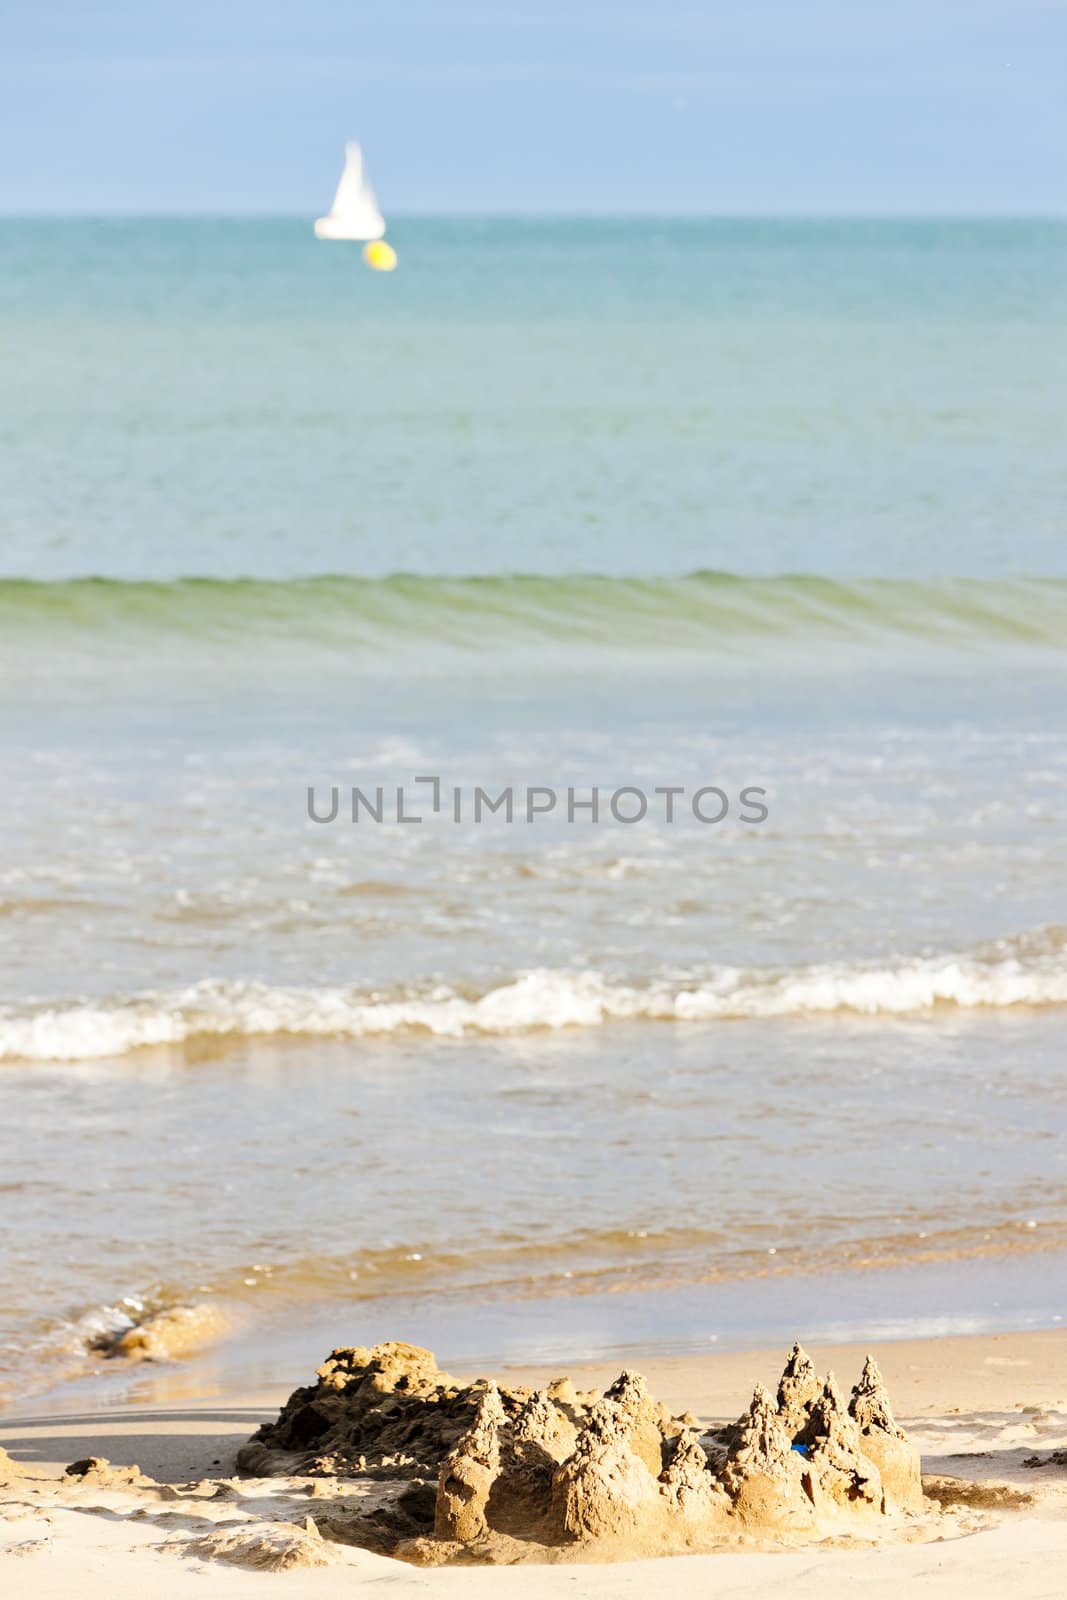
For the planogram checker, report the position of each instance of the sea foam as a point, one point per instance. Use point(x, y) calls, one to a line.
point(1027, 972)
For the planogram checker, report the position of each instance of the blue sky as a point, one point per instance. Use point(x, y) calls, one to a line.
point(818, 106)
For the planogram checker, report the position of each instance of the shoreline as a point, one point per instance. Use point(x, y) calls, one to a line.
point(967, 1297)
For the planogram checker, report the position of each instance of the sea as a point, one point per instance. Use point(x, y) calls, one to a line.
point(532, 788)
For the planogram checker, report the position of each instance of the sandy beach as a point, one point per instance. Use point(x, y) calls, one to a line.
point(981, 1410)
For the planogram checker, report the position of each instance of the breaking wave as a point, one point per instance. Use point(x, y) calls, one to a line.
point(699, 610)
point(1028, 971)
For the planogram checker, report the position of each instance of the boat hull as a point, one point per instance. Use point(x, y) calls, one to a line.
point(337, 228)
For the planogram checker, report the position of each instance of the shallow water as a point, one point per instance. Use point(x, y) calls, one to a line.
point(503, 1082)
point(388, 1188)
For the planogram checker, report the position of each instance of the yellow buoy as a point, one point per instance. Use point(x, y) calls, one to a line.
point(378, 255)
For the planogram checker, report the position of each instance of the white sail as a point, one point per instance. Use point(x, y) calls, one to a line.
point(354, 213)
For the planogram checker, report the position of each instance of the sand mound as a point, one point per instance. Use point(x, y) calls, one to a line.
point(976, 1496)
point(386, 1412)
point(167, 1335)
point(504, 1475)
point(98, 1471)
point(9, 1470)
point(267, 1546)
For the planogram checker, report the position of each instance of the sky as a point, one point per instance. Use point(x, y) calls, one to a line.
point(744, 106)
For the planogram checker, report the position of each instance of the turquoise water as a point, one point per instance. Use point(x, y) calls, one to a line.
point(570, 505)
point(236, 399)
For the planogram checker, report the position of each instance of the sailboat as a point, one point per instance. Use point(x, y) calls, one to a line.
point(354, 214)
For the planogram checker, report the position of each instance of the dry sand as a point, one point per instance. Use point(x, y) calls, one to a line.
point(978, 1409)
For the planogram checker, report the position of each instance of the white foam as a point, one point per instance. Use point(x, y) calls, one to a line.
point(1033, 972)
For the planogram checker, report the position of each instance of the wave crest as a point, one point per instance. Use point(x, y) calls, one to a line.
point(1030, 971)
point(703, 610)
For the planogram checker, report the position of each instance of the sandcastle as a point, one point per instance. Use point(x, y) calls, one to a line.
point(484, 1472)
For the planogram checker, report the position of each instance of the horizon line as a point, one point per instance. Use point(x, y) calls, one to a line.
point(548, 215)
